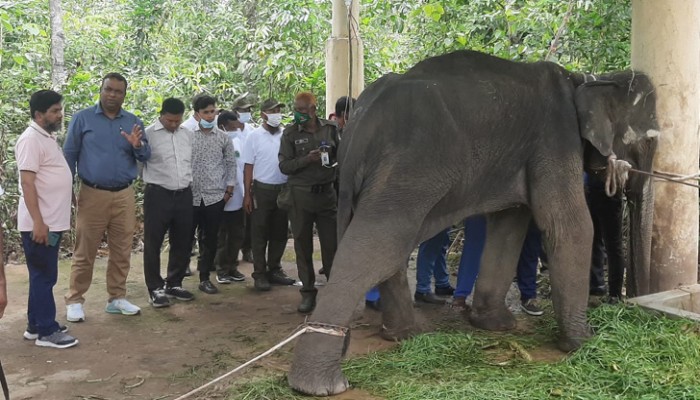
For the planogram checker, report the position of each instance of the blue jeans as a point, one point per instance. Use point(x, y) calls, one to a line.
point(42, 263)
point(432, 260)
point(373, 294)
point(527, 264)
point(470, 263)
point(474, 239)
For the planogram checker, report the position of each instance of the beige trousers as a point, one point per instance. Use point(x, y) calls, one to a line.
point(100, 211)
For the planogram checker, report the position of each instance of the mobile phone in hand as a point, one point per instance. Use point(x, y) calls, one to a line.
point(54, 239)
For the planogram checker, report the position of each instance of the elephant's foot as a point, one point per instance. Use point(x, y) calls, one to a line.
point(397, 334)
point(498, 320)
point(316, 367)
point(326, 382)
point(569, 343)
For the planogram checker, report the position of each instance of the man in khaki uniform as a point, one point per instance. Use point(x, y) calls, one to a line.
point(313, 198)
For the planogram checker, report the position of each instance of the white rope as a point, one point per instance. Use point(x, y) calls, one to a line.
point(314, 329)
point(617, 175)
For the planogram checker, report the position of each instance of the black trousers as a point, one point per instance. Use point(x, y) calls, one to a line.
point(247, 239)
point(606, 213)
point(309, 208)
point(206, 221)
point(230, 240)
point(268, 232)
point(166, 211)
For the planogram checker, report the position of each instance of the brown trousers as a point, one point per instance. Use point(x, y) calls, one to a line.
point(100, 211)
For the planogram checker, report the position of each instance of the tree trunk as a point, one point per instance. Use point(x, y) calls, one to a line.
point(58, 43)
point(341, 73)
point(666, 45)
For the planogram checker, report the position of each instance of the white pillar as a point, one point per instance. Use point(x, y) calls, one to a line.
point(338, 64)
point(666, 45)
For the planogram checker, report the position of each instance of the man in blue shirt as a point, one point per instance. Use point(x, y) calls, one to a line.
point(103, 144)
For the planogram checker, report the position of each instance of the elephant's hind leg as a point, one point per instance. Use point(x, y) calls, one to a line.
point(505, 233)
point(398, 318)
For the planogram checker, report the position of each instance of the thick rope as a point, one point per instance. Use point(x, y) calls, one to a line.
point(616, 175)
point(308, 327)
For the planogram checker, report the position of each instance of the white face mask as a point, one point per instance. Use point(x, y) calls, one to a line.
point(244, 117)
point(274, 120)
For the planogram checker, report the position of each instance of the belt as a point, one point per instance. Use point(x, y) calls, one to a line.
point(154, 186)
point(267, 186)
point(107, 188)
point(324, 187)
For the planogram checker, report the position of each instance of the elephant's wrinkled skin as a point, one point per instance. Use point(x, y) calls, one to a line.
point(463, 134)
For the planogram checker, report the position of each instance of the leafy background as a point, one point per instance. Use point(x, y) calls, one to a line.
point(270, 48)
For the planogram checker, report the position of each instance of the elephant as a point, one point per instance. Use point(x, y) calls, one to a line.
point(467, 133)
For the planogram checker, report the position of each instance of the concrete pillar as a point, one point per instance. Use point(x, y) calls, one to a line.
point(666, 45)
point(337, 56)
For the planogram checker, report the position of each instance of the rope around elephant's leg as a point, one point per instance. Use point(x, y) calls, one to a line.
point(327, 329)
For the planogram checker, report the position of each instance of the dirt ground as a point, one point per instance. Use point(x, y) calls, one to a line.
point(164, 353)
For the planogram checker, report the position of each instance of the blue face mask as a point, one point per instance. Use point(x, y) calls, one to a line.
point(205, 124)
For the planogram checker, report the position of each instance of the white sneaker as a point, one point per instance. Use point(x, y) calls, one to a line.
point(75, 313)
point(122, 306)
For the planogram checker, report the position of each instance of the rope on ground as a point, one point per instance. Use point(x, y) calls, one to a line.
point(313, 327)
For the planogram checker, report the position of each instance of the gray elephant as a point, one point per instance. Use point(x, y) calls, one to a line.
point(463, 134)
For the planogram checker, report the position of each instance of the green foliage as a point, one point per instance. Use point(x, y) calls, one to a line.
point(271, 48)
point(635, 355)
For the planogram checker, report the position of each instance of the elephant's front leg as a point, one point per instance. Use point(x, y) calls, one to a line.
point(505, 233)
point(371, 251)
point(398, 318)
point(568, 239)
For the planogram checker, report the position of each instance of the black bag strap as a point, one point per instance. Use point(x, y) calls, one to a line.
point(3, 383)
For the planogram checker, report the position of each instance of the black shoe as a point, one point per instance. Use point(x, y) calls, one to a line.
point(177, 292)
point(262, 284)
point(429, 298)
point(208, 287)
point(614, 300)
point(322, 271)
point(188, 271)
point(280, 278)
point(224, 279)
point(308, 302)
point(445, 291)
point(248, 255)
point(374, 305)
point(158, 299)
point(32, 334)
point(237, 276)
point(597, 291)
point(530, 307)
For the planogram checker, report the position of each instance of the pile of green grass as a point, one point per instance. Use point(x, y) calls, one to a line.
point(635, 355)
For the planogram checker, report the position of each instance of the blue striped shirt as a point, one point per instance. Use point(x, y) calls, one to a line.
point(101, 154)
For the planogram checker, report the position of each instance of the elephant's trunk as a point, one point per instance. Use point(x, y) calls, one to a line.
point(641, 202)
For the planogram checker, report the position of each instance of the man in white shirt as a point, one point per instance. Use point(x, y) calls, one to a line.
point(263, 183)
point(243, 126)
point(232, 228)
point(193, 121)
point(43, 214)
point(167, 204)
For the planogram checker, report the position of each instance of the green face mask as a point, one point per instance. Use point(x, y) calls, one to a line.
point(300, 118)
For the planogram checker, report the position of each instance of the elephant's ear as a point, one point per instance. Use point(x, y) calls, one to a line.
point(593, 106)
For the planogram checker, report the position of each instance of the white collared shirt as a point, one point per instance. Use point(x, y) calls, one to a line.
point(262, 151)
point(170, 165)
